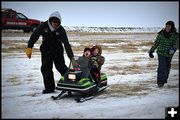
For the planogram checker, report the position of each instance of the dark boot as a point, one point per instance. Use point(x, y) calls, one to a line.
point(47, 91)
point(160, 85)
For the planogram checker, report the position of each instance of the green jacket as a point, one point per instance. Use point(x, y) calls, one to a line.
point(163, 44)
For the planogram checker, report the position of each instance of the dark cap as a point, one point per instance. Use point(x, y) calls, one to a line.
point(171, 23)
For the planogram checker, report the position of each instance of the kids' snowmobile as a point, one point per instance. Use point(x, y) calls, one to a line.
point(79, 80)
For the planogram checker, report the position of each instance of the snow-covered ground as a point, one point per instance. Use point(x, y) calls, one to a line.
point(132, 91)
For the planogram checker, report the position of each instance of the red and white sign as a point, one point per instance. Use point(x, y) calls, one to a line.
point(16, 23)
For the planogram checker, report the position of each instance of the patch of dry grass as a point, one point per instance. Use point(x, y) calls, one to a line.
point(32, 94)
point(137, 59)
point(134, 69)
point(151, 66)
point(175, 66)
point(15, 46)
point(123, 90)
point(20, 45)
point(14, 80)
point(111, 41)
point(145, 43)
point(131, 69)
point(130, 47)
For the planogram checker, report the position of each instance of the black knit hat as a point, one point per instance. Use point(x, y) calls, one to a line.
point(171, 23)
point(87, 48)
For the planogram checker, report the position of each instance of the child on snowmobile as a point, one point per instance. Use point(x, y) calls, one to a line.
point(87, 52)
point(96, 62)
point(83, 61)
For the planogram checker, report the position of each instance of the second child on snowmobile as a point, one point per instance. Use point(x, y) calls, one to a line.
point(96, 62)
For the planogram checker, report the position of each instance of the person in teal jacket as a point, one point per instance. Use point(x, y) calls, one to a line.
point(166, 45)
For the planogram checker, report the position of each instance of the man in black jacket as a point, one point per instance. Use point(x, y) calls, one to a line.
point(52, 50)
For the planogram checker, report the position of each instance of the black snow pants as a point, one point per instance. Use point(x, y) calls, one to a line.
point(164, 66)
point(47, 66)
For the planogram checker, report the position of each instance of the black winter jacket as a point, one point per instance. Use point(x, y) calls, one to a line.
point(52, 41)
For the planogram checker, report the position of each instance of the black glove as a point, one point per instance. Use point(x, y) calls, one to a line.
point(151, 53)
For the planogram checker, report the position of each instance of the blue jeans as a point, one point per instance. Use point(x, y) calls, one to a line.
point(164, 66)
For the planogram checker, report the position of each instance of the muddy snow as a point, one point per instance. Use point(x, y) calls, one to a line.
point(132, 91)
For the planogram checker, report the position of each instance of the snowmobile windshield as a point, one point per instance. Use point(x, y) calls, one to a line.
point(83, 64)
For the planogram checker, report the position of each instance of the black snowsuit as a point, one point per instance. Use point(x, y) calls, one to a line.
point(51, 51)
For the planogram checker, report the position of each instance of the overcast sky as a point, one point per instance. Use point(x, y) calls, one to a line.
point(104, 14)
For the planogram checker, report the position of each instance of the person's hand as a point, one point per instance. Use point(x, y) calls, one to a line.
point(74, 62)
point(28, 52)
point(172, 50)
point(151, 53)
point(94, 59)
point(94, 63)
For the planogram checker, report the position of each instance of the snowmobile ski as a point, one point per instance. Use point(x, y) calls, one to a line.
point(59, 96)
point(83, 99)
point(102, 88)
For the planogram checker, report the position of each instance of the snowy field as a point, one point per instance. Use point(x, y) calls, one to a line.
point(132, 91)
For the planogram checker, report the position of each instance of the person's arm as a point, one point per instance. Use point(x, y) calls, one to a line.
point(101, 60)
point(175, 46)
point(94, 65)
point(35, 36)
point(67, 45)
point(156, 43)
point(176, 42)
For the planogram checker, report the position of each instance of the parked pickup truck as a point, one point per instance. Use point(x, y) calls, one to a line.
point(10, 19)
